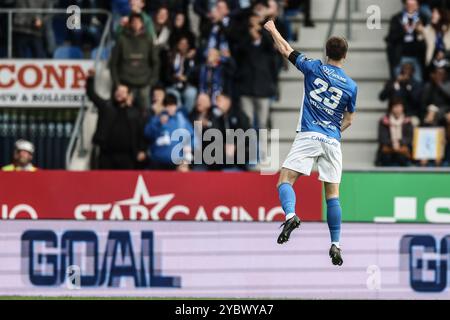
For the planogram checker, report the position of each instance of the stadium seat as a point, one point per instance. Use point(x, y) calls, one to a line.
point(59, 29)
point(104, 55)
point(68, 52)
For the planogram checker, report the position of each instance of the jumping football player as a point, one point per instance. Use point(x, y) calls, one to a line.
point(327, 109)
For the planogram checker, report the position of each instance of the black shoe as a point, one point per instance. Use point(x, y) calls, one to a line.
point(288, 227)
point(335, 255)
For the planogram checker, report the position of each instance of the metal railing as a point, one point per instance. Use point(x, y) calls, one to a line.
point(78, 128)
point(348, 17)
point(78, 132)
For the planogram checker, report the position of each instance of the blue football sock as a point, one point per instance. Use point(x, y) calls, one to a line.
point(334, 213)
point(287, 198)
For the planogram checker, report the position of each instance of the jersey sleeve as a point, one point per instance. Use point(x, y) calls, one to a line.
point(352, 104)
point(304, 64)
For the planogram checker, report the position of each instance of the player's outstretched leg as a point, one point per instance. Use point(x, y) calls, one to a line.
point(287, 198)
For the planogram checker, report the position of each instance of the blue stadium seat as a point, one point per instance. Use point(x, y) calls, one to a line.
point(120, 7)
point(104, 55)
point(68, 52)
point(59, 29)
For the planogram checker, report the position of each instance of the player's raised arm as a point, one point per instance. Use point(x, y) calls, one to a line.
point(282, 45)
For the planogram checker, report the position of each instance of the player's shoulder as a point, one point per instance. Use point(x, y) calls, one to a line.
point(304, 58)
point(351, 83)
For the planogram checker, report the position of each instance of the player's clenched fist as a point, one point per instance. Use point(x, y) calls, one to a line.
point(269, 26)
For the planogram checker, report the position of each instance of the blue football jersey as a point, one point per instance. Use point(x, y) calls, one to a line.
point(328, 93)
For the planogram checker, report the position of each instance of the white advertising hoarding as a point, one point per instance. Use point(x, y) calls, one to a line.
point(43, 83)
point(222, 259)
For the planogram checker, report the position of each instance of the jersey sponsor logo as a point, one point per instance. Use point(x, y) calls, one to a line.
point(325, 124)
point(332, 73)
point(331, 142)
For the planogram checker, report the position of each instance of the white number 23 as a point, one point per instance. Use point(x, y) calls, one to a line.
point(336, 94)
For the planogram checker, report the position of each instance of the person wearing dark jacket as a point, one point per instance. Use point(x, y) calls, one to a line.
point(179, 73)
point(119, 132)
point(135, 62)
point(257, 74)
point(395, 134)
point(215, 75)
point(180, 29)
point(236, 142)
point(406, 88)
point(405, 39)
point(203, 119)
point(29, 29)
point(436, 97)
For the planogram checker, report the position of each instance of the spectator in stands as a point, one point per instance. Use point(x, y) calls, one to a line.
point(179, 73)
point(291, 9)
point(180, 29)
point(405, 87)
point(437, 35)
point(395, 133)
point(204, 119)
point(29, 29)
point(137, 7)
point(216, 74)
point(162, 28)
point(204, 9)
point(135, 62)
point(119, 132)
point(216, 33)
point(172, 5)
point(405, 40)
point(22, 158)
point(436, 97)
point(158, 95)
point(273, 13)
point(159, 132)
point(257, 74)
point(236, 151)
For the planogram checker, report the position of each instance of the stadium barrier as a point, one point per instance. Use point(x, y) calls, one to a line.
point(216, 196)
point(395, 197)
point(151, 195)
point(215, 259)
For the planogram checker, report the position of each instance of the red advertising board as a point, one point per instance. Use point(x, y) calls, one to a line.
point(151, 195)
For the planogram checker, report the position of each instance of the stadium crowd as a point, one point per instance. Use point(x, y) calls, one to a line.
point(166, 75)
point(418, 93)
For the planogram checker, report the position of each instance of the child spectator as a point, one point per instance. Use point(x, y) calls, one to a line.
point(159, 132)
